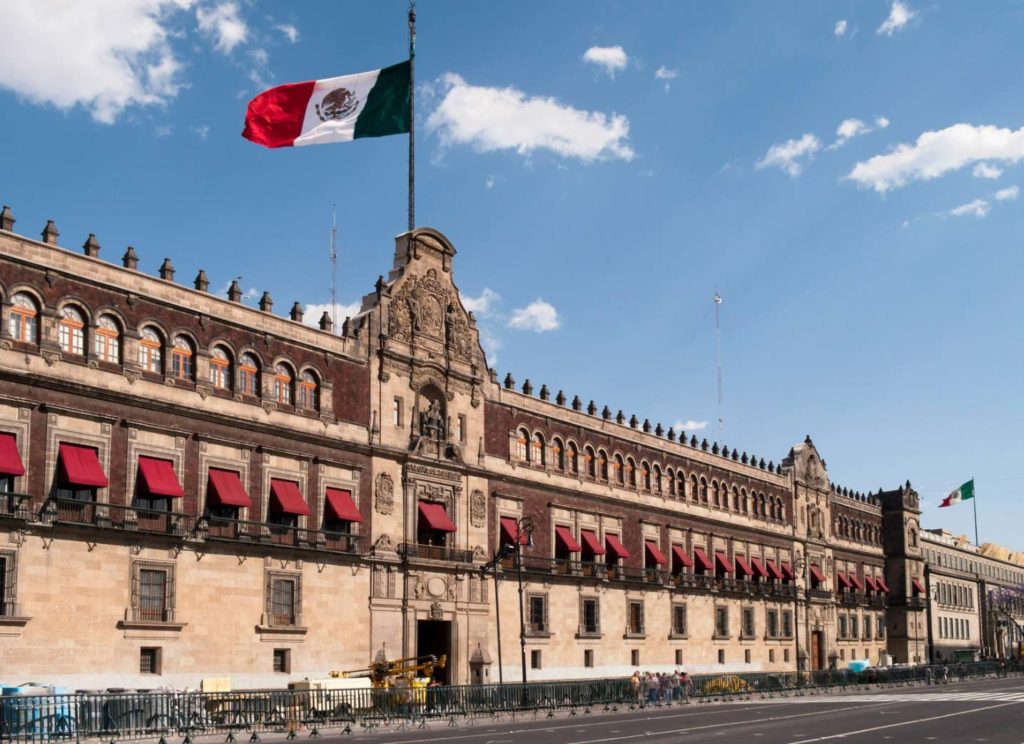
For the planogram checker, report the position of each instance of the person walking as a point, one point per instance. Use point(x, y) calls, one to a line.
point(634, 682)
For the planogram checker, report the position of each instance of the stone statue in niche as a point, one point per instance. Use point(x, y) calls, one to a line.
point(432, 422)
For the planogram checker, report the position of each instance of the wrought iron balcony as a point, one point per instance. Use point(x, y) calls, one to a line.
point(876, 600)
point(264, 533)
point(916, 603)
point(435, 553)
point(851, 598)
point(14, 506)
point(118, 517)
point(819, 594)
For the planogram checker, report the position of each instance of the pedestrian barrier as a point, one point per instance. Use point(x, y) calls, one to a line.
point(26, 715)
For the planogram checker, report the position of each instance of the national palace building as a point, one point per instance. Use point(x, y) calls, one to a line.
point(193, 488)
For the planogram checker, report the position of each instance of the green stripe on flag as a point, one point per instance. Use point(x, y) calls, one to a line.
point(387, 106)
point(967, 490)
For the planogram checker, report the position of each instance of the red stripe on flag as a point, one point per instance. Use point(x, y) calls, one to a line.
point(274, 117)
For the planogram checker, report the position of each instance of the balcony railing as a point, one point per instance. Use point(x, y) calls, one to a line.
point(118, 517)
point(876, 600)
point(435, 553)
point(819, 594)
point(152, 614)
point(850, 598)
point(264, 533)
point(14, 506)
point(916, 603)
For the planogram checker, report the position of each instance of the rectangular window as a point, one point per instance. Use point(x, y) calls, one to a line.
point(537, 615)
point(152, 594)
point(721, 622)
point(535, 659)
point(149, 660)
point(787, 623)
point(283, 660)
point(785, 655)
point(854, 620)
point(748, 622)
point(284, 599)
point(7, 584)
point(772, 621)
point(746, 656)
point(396, 412)
point(636, 618)
point(721, 656)
point(634, 657)
point(679, 657)
point(460, 428)
point(771, 656)
point(842, 626)
point(590, 623)
point(679, 619)
point(588, 659)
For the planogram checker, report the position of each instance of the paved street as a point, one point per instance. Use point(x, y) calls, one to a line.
point(989, 711)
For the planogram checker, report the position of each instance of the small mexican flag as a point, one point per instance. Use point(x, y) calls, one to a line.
point(369, 104)
point(966, 491)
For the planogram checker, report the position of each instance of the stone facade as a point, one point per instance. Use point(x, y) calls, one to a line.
point(648, 548)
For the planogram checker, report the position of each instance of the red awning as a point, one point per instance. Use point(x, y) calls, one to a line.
point(787, 571)
point(816, 573)
point(436, 516)
point(225, 489)
point(918, 586)
point(615, 546)
point(591, 541)
point(10, 460)
point(340, 503)
point(681, 556)
point(702, 560)
point(856, 583)
point(844, 580)
point(564, 534)
point(774, 570)
point(509, 528)
point(655, 552)
point(759, 568)
point(79, 466)
point(158, 477)
point(885, 587)
point(285, 498)
point(742, 565)
point(871, 584)
point(722, 562)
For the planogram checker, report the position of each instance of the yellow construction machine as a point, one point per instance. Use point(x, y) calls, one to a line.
point(415, 670)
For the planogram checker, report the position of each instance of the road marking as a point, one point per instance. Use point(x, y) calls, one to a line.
point(903, 723)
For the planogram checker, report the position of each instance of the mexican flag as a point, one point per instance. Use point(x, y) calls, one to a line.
point(966, 491)
point(317, 112)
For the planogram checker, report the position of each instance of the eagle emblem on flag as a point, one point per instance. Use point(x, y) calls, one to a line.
point(337, 104)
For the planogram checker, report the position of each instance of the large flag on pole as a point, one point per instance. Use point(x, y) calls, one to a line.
point(966, 491)
point(369, 104)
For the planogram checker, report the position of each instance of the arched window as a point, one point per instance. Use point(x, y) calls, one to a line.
point(735, 499)
point(522, 439)
point(716, 494)
point(631, 472)
point(573, 459)
point(645, 476)
point(537, 453)
point(657, 479)
point(220, 368)
point(590, 461)
point(744, 501)
point(283, 384)
point(108, 340)
point(248, 375)
point(602, 465)
point(671, 477)
point(23, 322)
point(762, 505)
point(309, 391)
point(558, 454)
point(620, 470)
point(71, 331)
point(694, 488)
point(151, 346)
point(182, 364)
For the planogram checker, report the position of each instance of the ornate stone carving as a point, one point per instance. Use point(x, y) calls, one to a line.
point(385, 500)
point(426, 305)
point(412, 469)
point(477, 508)
point(384, 545)
point(436, 611)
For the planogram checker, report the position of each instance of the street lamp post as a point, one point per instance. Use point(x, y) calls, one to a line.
point(504, 551)
point(799, 564)
point(524, 527)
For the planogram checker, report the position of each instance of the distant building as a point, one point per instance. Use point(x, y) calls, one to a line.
point(196, 488)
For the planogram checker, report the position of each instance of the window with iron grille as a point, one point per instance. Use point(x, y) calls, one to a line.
point(748, 622)
point(152, 592)
point(588, 658)
point(636, 618)
point(535, 659)
point(679, 657)
point(842, 626)
point(149, 660)
point(787, 623)
point(679, 620)
point(721, 622)
point(590, 617)
point(880, 627)
point(772, 621)
point(284, 599)
point(283, 660)
point(537, 615)
point(7, 584)
point(634, 657)
point(854, 627)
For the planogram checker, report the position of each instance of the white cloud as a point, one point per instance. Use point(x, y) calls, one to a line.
point(664, 73)
point(881, 122)
point(507, 119)
point(164, 131)
point(202, 131)
point(483, 305)
point(311, 315)
point(986, 170)
point(612, 59)
point(105, 55)
point(936, 153)
point(787, 154)
point(977, 208)
point(290, 32)
point(850, 128)
point(840, 29)
point(690, 425)
point(1008, 194)
point(900, 15)
point(538, 316)
point(222, 24)
point(489, 182)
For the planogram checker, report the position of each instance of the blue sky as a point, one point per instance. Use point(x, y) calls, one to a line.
point(845, 174)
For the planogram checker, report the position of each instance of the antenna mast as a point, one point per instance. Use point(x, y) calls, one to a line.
point(718, 360)
point(334, 268)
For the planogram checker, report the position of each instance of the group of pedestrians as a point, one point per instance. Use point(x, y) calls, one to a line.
point(665, 687)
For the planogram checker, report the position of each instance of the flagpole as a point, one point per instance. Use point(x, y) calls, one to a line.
point(412, 114)
point(974, 502)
